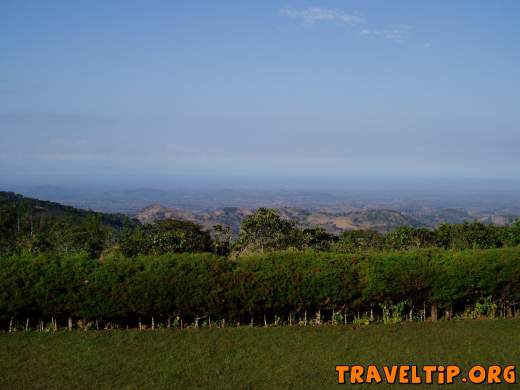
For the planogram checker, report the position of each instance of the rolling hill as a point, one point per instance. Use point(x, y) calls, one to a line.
point(334, 222)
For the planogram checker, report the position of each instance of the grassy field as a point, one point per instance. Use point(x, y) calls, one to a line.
point(245, 358)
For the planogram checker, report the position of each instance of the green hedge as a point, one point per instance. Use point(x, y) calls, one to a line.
point(275, 287)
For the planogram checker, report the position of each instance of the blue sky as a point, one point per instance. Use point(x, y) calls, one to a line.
point(326, 88)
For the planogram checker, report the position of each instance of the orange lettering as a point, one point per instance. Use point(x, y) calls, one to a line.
point(390, 375)
point(355, 374)
point(416, 379)
point(474, 378)
point(510, 375)
point(494, 374)
point(373, 375)
point(429, 370)
point(440, 379)
point(451, 373)
point(341, 373)
point(403, 374)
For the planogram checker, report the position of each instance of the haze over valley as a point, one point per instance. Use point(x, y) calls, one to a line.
point(380, 204)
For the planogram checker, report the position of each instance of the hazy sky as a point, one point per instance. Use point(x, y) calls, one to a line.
point(333, 88)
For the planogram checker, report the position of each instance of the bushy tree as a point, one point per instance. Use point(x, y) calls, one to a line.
point(318, 239)
point(353, 241)
point(469, 235)
point(165, 236)
point(266, 230)
point(512, 234)
point(409, 238)
point(221, 239)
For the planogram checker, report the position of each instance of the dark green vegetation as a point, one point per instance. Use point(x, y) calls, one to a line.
point(32, 226)
point(241, 358)
point(35, 226)
point(68, 266)
point(274, 288)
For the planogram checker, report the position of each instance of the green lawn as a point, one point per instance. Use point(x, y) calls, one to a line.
point(237, 358)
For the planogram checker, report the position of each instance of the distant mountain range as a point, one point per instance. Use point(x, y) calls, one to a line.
point(229, 208)
point(333, 219)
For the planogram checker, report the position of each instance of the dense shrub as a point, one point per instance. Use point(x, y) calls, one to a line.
point(271, 287)
point(166, 236)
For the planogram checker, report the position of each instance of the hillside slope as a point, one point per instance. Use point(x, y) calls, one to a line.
point(334, 222)
point(18, 209)
point(36, 224)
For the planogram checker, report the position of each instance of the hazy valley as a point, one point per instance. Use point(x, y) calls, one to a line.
point(333, 219)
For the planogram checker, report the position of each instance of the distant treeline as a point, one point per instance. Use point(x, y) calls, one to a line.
point(274, 288)
point(34, 226)
point(37, 226)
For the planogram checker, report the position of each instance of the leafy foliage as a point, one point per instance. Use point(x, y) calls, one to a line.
point(266, 230)
point(36, 226)
point(278, 286)
point(166, 236)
